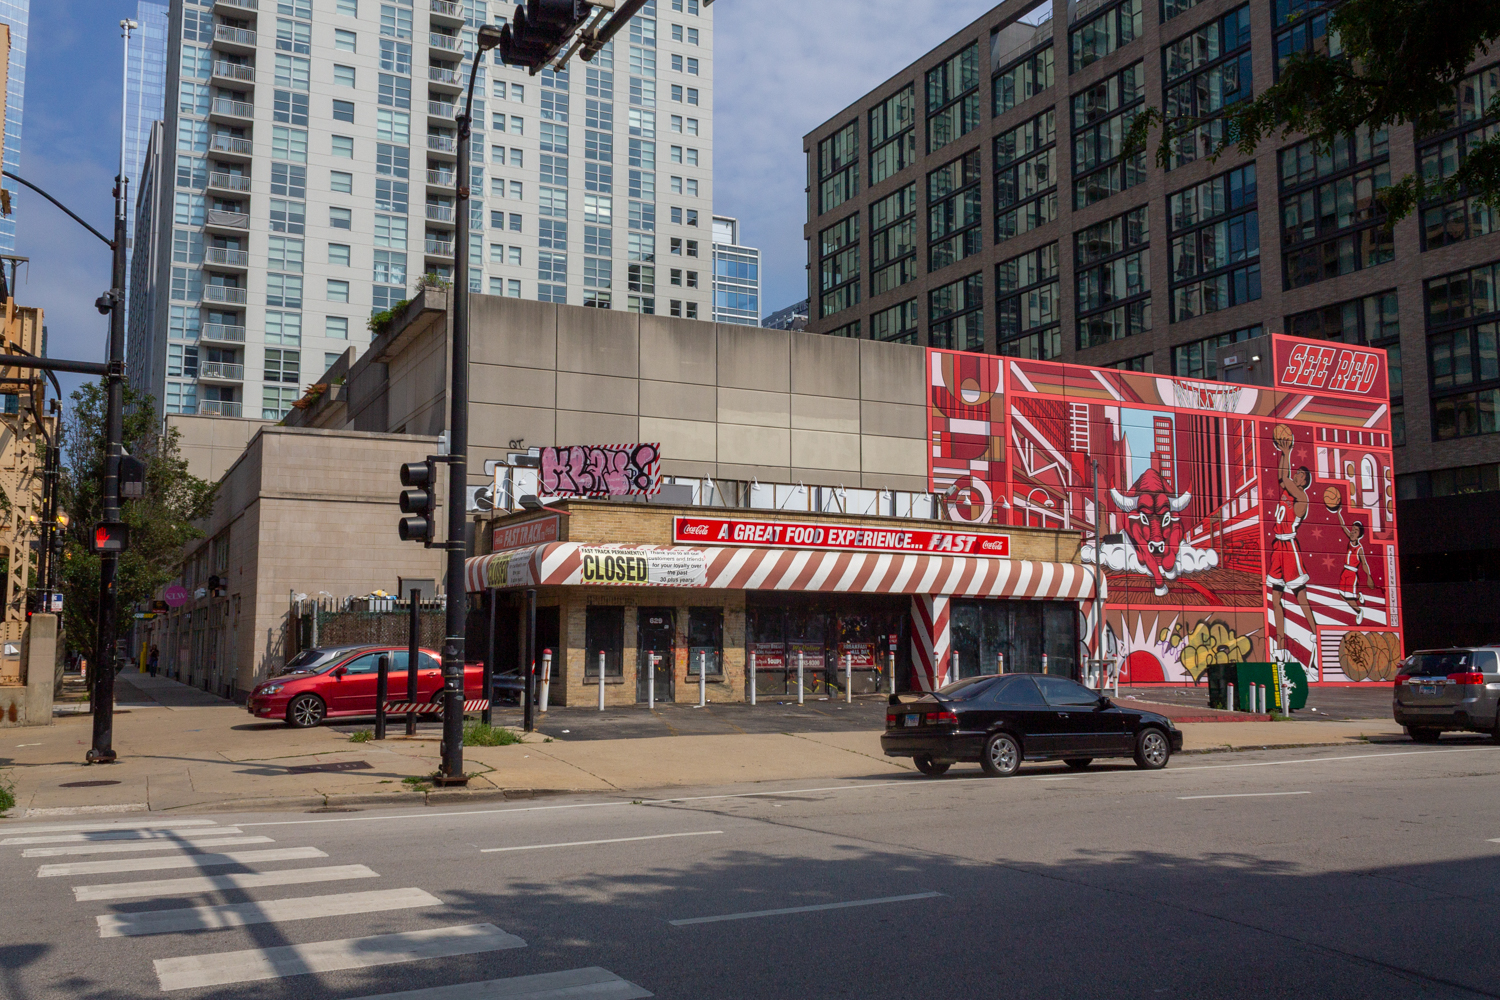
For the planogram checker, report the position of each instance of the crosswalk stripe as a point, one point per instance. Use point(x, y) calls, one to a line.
point(591, 982)
point(183, 861)
point(196, 971)
point(212, 918)
point(213, 883)
point(104, 836)
point(146, 845)
point(118, 825)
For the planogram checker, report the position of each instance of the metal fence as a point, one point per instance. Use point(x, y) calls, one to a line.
point(349, 621)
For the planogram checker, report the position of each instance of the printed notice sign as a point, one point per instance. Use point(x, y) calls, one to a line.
point(643, 567)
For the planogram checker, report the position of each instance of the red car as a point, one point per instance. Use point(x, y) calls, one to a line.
point(317, 685)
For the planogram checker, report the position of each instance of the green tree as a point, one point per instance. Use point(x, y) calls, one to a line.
point(1387, 63)
point(161, 522)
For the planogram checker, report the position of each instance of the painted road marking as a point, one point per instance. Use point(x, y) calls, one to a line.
point(183, 861)
point(1240, 795)
point(213, 918)
point(1062, 777)
point(590, 843)
point(197, 971)
point(1323, 760)
point(148, 845)
point(104, 836)
point(590, 982)
point(101, 827)
point(803, 909)
point(175, 887)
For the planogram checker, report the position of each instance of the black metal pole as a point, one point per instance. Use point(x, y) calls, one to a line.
point(382, 690)
point(489, 660)
point(413, 657)
point(529, 715)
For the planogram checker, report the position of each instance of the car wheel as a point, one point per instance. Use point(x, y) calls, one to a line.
point(1078, 763)
point(1421, 734)
point(933, 768)
point(1152, 749)
point(1002, 756)
point(305, 711)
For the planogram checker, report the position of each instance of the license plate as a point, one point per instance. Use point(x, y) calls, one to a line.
point(913, 720)
point(1429, 689)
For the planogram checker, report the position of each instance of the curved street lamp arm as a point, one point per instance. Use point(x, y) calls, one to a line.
point(107, 241)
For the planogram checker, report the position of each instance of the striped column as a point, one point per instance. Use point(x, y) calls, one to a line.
point(930, 637)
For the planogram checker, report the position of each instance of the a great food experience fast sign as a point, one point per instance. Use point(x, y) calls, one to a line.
point(845, 537)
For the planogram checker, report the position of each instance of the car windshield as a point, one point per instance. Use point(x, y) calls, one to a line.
point(306, 660)
point(1439, 663)
point(969, 687)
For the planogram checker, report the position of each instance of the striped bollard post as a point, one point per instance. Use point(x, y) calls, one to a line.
point(601, 680)
point(546, 676)
point(799, 676)
point(752, 678)
point(849, 678)
point(702, 678)
point(651, 681)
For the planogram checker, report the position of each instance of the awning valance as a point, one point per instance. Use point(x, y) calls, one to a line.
point(571, 564)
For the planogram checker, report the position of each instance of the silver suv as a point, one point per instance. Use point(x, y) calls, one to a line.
point(1441, 690)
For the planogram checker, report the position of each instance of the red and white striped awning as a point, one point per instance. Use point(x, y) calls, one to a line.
point(572, 564)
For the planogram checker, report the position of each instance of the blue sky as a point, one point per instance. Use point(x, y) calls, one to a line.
point(782, 67)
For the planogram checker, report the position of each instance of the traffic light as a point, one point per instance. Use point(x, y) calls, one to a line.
point(420, 501)
point(539, 30)
point(111, 537)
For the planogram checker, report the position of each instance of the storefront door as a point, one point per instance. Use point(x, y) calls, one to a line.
point(656, 632)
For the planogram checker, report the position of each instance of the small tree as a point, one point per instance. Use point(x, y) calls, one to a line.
point(161, 522)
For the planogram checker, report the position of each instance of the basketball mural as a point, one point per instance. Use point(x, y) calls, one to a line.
point(1234, 523)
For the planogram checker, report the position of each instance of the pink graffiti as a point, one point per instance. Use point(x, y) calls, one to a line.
point(602, 470)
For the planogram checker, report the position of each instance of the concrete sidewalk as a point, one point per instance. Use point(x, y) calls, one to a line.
point(179, 750)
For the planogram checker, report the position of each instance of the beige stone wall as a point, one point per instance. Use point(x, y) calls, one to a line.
point(212, 444)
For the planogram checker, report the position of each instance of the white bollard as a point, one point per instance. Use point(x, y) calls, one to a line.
point(601, 680)
point(1229, 699)
point(651, 681)
point(891, 684)
point(999, 663)
point(849, 678)
point(703, 678)
point(799, 676)
point(752, 678)
point(1044, 663)
point(546, 676)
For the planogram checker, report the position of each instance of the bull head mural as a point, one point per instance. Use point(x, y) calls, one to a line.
point(1155, 534)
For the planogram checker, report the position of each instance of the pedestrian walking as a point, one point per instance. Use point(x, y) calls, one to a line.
point(152, 661)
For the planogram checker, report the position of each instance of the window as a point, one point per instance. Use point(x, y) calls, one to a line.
point(394, 91)
point(283, 253)
point(893, 241)
point(893, 137)
point(692, 248)
point(677, 64)
point(390, 126)
point(284, 328)
point(839, 266)
point(1199, 358)
point(838, 167)
point(292, 72)
point(1215, 248)
point(385, 297)
point(953, 99)
point(1026, 177)
point(1103, 33)
point(518, 127)
point(343, 111)
point(1029, 307)
point(392, 161)
point(182, 361)
point(1102, 116)
point(1369, 320)
point(395, 57)
point(1022, 81)
point(897, 325)
point(343, 40)
point(288, 144)
point(1112, 277)
point(955, 315)
point(341, 182)
point(283, 365)
point(336, 327)
point(284, 290)
point(287, 217)
point(343, 76)
point(343, 147)
point(292, 8)
point(953, 212)
point(293, 36)
point(1203, 73)
point(390, 231)
point(1443, 151)
point(289, 107)
point(1331, 222)
point(349, 8)
point(338, 290)
point(1463, 323)
point(390, 268)
point(1301, 26)
point(276, 401)
point(692, 66)
point(340, 218)
point(182, 398)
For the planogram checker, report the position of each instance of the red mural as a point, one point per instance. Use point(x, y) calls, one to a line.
point(1234, 522)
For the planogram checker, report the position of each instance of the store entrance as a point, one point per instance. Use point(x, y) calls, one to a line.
point(1032, 637)
point(826, 635)
point(656, 636)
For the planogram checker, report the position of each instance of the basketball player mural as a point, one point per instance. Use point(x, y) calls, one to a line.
point(1286, 572)
point(1354, 561)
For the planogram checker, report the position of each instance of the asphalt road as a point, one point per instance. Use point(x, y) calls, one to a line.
point(1335, 873)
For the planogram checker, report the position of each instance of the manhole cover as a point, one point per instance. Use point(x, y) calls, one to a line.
point(86, 784)
point(343, 765)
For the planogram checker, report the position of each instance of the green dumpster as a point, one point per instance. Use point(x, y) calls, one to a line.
point(1271, 676)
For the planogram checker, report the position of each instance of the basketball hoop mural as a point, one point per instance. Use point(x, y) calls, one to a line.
point(1261, 513)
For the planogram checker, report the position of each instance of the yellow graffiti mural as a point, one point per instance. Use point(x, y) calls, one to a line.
point(1209, 642)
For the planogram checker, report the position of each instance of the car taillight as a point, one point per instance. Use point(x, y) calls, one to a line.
point(890, 720)
point(1466, 678)
point(941, 718)
point(1403, 678)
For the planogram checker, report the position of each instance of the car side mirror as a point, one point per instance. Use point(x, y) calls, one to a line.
point(339, 672)
point(1104, 703)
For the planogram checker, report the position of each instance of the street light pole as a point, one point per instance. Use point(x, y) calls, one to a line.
point(103, 695)
point(452, 770)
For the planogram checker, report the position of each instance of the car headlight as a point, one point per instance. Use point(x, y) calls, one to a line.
point(269, 689)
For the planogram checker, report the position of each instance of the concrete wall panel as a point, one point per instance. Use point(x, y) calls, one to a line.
point(752, 358)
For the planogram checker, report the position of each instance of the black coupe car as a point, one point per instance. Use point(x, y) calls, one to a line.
point(1002, 720)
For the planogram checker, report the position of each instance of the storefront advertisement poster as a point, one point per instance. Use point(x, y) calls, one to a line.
point(861, 655)
point(510, 569)
point(844, 537)
point(769, 655)
point(643, 567)
point(537, 532)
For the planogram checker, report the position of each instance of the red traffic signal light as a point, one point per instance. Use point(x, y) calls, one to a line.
point(111, 537)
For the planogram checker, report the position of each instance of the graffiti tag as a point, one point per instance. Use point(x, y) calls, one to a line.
point(601, 470)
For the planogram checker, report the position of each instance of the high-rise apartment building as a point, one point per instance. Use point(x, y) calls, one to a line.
point(16, 14)
point(310, 157)
point(979, 200)
point(145, 100)
point(736, 276)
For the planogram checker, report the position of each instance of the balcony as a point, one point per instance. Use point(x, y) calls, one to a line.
point(229, 182)
point(441, 178)
point(230, 145)
point(226, 220)
point(447, 8)
point(224, 107)
point(443, 43)
point(445, 77)
point(234, 39)
point(218, 371)
point(225, 257)
point(220, 408)
point(439, 109)
point(439, 248)
point(220, 333)
point(440, 213)
point(224, 293)
point(239, 72)
point(443, 144)
point(238, 5)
